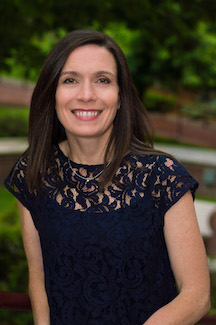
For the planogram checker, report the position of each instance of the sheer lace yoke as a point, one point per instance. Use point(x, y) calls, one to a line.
point(139, 179)
point(136, 179)
point(69, 190)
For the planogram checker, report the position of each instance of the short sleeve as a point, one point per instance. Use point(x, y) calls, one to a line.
point(170, 181)
point(15, 182)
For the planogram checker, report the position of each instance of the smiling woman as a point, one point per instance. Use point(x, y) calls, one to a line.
point(88, 89)
point(108, 223)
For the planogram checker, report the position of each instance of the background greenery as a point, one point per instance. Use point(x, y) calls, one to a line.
point(13, 271)
point(168, 42)
point(170, 45)
point(13, 122)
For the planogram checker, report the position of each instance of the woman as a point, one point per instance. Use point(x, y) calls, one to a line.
point(108, 223)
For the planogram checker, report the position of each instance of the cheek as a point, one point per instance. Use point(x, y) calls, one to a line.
point(58, 99)
point(62, 97)
point(113, 100)
point(60, 107)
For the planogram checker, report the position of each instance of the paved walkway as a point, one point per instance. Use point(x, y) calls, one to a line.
point(204, 210)
point(190, 154)
point(12, 145)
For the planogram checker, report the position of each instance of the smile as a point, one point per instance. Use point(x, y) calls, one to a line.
point(86, 115)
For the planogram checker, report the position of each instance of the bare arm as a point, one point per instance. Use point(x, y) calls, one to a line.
point(188, 260)
point(33, 252)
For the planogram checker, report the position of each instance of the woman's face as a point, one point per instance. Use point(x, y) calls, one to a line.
point(87, 95)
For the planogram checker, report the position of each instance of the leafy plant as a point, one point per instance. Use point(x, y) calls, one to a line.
point(14, 270)
point(155, 100)
point(200, 110)
point(14, 122)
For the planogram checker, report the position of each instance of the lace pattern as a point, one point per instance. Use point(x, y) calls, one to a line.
point(136, 177)
point(104, 253)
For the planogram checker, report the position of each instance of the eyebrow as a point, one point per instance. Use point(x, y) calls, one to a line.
point(77, 74)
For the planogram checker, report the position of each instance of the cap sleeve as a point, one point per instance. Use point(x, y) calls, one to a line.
point(170, 181)
point(15, 182)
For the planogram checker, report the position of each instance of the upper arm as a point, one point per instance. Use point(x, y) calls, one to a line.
point(185, 245)
point(31, 242)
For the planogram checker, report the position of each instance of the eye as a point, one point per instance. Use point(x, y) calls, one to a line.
point(70, 81)
point(103, 81)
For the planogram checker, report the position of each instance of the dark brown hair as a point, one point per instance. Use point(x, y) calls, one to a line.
point(131, 129)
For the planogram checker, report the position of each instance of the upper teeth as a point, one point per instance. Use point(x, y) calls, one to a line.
point(85, 113)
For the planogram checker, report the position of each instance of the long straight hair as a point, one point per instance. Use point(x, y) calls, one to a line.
point(131, 128)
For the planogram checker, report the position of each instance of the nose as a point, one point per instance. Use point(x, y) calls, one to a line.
point(86, 92)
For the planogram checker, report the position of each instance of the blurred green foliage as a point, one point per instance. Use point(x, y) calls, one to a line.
point(13, 122)
point(200, 64)
point(168, 42)
point(212, 268)
point(14, 270)
point(155, 100)
point(205, 111)
point(213, 292)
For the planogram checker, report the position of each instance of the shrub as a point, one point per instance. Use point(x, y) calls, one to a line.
point(200, 110)
point(14, 122)
point(14, 270)
point(158, 101)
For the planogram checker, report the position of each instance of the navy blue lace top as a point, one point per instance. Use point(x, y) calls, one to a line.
point(105, 257)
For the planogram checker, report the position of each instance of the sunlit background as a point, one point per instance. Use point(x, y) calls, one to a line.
point(171, 49)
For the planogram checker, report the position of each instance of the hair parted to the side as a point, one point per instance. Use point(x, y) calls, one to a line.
point(131, 129)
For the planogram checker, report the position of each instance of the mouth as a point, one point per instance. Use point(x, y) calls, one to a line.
point(86, 114)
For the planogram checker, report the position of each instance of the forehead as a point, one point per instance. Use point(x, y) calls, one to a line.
point(90, 56)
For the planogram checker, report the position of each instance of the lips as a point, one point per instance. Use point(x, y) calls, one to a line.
point(86, 115)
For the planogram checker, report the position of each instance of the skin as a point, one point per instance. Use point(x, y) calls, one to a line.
point(87, 99)
point(84, 87)
point(34, 257)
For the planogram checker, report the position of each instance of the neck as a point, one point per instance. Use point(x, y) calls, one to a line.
point(86, 151)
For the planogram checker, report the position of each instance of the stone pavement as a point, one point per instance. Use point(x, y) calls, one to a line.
point(204, 210)
point(190, 154)
point(12, 145)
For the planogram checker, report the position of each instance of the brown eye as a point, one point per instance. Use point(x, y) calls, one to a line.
point(70, 81)
point(103, 81)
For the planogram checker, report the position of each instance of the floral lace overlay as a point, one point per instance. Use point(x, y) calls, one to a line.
point(105, 258)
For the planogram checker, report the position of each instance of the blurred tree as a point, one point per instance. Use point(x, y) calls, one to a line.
point(166, 46)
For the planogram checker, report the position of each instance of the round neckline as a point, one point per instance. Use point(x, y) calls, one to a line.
point(73, 163)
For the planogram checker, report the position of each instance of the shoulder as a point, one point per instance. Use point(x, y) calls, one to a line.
point(155, 163)
point(144, 169)
point(17, 175)
point(164, 176)
point(15, 182)
point(19, 168)
point(164, 169)
point(169, 180)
